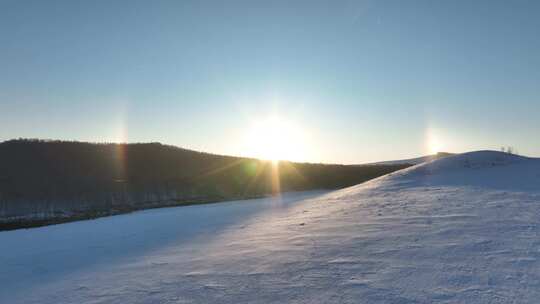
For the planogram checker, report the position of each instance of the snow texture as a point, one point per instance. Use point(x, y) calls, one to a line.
point(462, 229)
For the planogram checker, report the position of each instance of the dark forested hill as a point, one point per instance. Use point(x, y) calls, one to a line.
point(52, 181)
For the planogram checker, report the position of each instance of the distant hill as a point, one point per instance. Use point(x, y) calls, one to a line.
point(414, 161)
point(44, 182)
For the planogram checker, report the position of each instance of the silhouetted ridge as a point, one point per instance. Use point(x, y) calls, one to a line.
point(44, 181)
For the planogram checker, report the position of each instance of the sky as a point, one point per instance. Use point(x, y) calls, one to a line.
point(347, 81)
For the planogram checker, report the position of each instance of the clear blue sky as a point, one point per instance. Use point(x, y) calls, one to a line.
point(367, 80)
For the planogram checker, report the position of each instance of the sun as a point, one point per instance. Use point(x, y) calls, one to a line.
point(275, 139)
point(433, 142)
point(434, 147)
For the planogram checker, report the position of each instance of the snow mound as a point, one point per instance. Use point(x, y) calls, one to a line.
point(485, 169)
point(470, 160)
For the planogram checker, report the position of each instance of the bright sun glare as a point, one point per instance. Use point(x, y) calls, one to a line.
point(434, 147)
point(275, 139)
point(433, 141)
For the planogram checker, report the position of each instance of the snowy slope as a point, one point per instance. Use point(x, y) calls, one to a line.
point(464, 229)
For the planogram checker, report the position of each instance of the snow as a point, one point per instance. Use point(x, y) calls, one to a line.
point(463, 229)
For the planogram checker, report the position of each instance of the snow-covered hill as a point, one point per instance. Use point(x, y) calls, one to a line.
point(463, 229)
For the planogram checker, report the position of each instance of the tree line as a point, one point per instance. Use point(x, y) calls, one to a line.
point(45, 181)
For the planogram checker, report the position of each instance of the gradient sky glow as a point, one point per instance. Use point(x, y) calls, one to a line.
point(363, 80)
